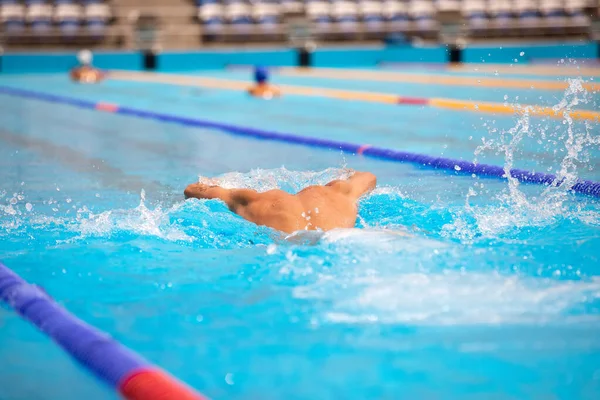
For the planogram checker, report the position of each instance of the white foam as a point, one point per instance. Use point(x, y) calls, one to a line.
point(452, 298)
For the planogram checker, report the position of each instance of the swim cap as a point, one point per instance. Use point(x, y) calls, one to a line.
point(261, 74)
point(84, 57)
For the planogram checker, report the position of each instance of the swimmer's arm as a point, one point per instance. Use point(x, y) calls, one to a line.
point(355, 186)
point(234, 198)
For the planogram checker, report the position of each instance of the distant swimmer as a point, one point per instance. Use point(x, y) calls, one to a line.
point(85, 72)
point(262, 87)
point(313, 208)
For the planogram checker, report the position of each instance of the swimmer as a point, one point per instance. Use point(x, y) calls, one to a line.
point(313, 208)
point(263, 88)
point(85, 72)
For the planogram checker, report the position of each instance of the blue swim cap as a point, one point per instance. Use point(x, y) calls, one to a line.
point(261, 74)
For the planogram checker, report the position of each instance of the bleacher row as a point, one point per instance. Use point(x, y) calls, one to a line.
point(39, 17)
point(393, 15)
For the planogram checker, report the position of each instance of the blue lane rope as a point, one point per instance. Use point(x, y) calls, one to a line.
point(464, 167)
point(95, 350)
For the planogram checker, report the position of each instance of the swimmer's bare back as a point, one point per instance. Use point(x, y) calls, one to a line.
point(315, 207)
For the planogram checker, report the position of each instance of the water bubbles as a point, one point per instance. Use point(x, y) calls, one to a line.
point(13, 201)
point(68, 200)
point(496, 73)
point(20, 197)
point(97, 194)
point(522, 53)
point(457, 168)
point(229, 379)
point(29, 207)
point(271, 249)
point(57, 189)
point(505, 97)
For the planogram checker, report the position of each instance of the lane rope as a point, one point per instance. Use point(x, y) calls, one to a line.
point(353, 95)
point(447, 164)
point(116, 365)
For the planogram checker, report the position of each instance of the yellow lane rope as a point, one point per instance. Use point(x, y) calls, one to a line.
point(447, 80)
point(462, 105)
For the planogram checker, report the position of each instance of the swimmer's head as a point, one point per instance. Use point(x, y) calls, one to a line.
point(85, 57)
point(261, 74)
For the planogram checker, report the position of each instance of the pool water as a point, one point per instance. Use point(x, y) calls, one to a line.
point(451, 286)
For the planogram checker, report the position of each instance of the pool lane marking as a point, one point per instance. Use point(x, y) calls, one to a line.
point(452, 104)
point(362, 149)
point(107, 107)
point(539, 70)
point(446, 80)
point(451, 165)
point(116, 365)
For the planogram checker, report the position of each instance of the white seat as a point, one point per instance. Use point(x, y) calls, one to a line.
point(344, 11)
point(67, 12)
point(292, 6)
point(449, 5)
point(473, 8)
point(12, 12)
point(475, 13)
point(97, 12)
point(266, 12)
point(501, 13)
point(211, 13)
point(527, 13)
point(238, 13)
point(371, 9)
point(395, 11)
point(319, 11)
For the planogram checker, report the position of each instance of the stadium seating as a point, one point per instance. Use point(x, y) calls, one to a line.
point(345, 15)
point(12, 17)
point(67, 15)
point(97, 16)
point(448, 5)
point(475, 13)
point(292, 6)
point(422, 12)
point(266, 14)
point(239, 15)
point(500, 13)
point(395, 13)
point(372, 14)
point(211, 14)
point(39, 16)
point(318, 12)
point(575, 10)
point(527, 13)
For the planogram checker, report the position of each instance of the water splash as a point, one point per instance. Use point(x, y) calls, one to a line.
point(519, 206)
point(277, 178)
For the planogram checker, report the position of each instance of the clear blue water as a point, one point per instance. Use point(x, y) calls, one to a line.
point(495, 293)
